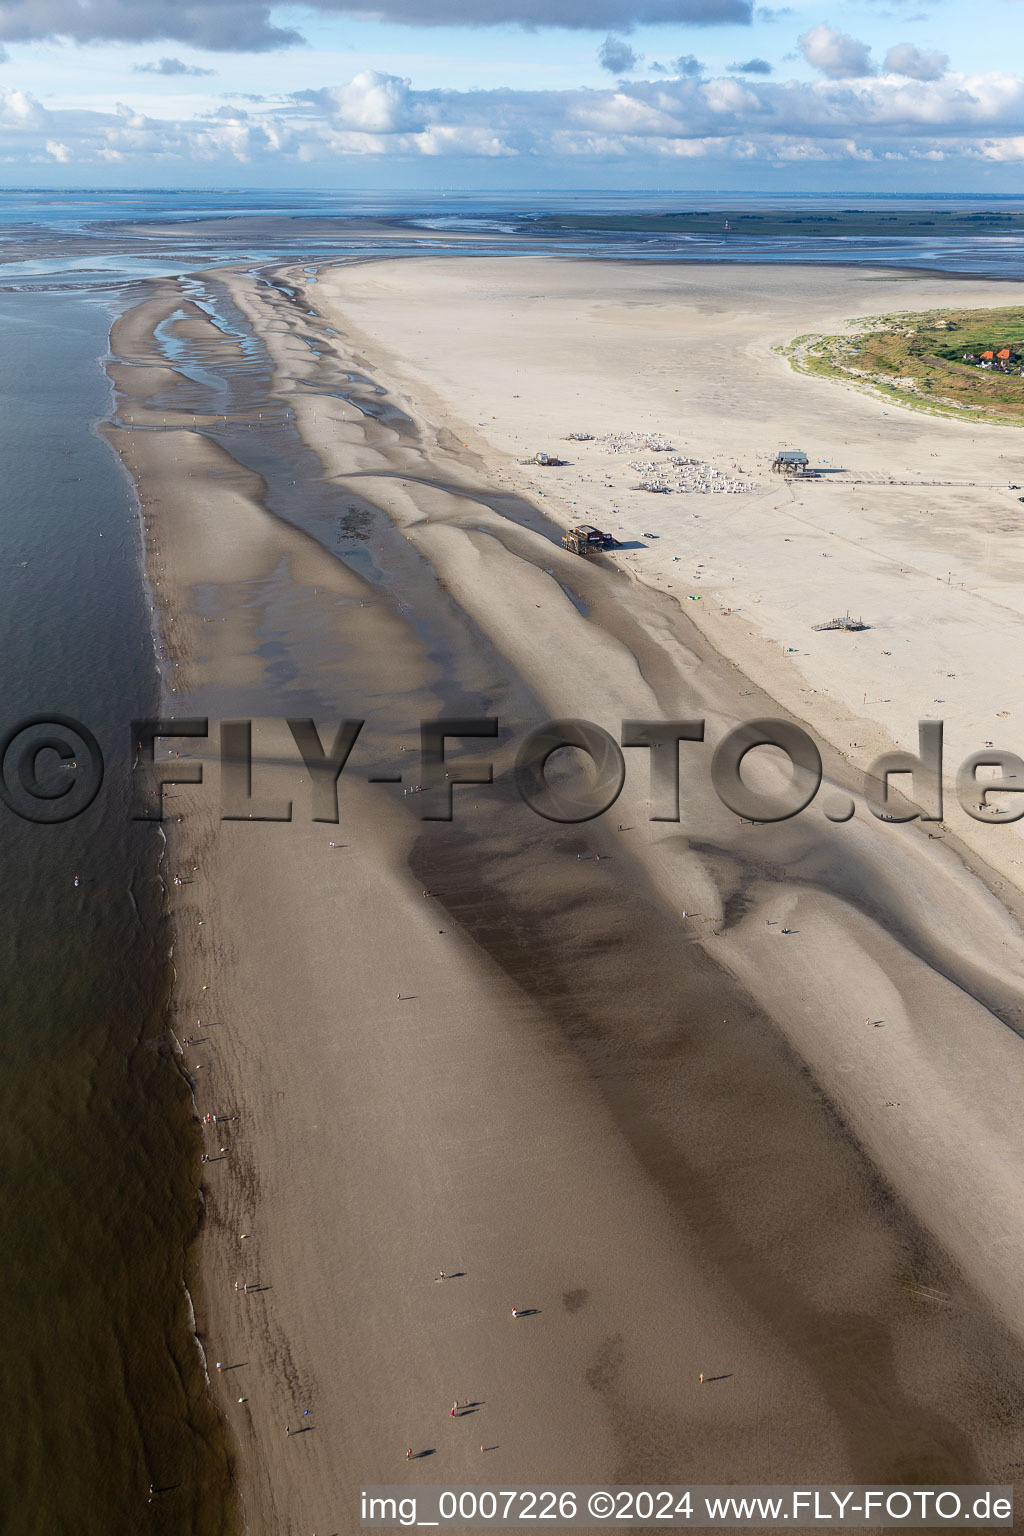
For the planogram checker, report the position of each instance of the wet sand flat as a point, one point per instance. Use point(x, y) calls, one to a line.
point(605, 1091)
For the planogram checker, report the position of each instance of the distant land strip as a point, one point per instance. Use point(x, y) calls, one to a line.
point(843, 222)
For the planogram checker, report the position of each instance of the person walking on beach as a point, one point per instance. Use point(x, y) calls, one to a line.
point(701, 1378)
point(408, 1454)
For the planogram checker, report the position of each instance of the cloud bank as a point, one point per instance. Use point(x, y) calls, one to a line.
point(247, 25)
point(235, 25)
point(966, 118)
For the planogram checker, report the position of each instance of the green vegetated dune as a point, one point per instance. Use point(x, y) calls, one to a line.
point(933, 361)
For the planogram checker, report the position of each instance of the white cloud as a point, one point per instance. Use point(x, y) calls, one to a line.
point(18, 110)
point(1004, 151)
point(170, 67)
point(905, 59)
point(835, 53)
point(59, 152)
point(751, 67)
point(451, 140)
point(687, 65)
point(374, 103)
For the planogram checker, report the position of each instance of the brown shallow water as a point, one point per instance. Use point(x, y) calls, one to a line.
point(102, 1383)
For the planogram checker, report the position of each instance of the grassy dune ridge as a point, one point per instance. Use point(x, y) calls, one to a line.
point(919, 359)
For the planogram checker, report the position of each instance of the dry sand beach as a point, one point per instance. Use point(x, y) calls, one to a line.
point(913, 525)
point(614, 1093)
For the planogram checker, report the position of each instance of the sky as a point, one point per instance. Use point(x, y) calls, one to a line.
point(873, 96)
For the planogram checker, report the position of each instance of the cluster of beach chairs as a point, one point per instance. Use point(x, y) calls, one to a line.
point(692, 475)
point(634, 442)
point(673, 472)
